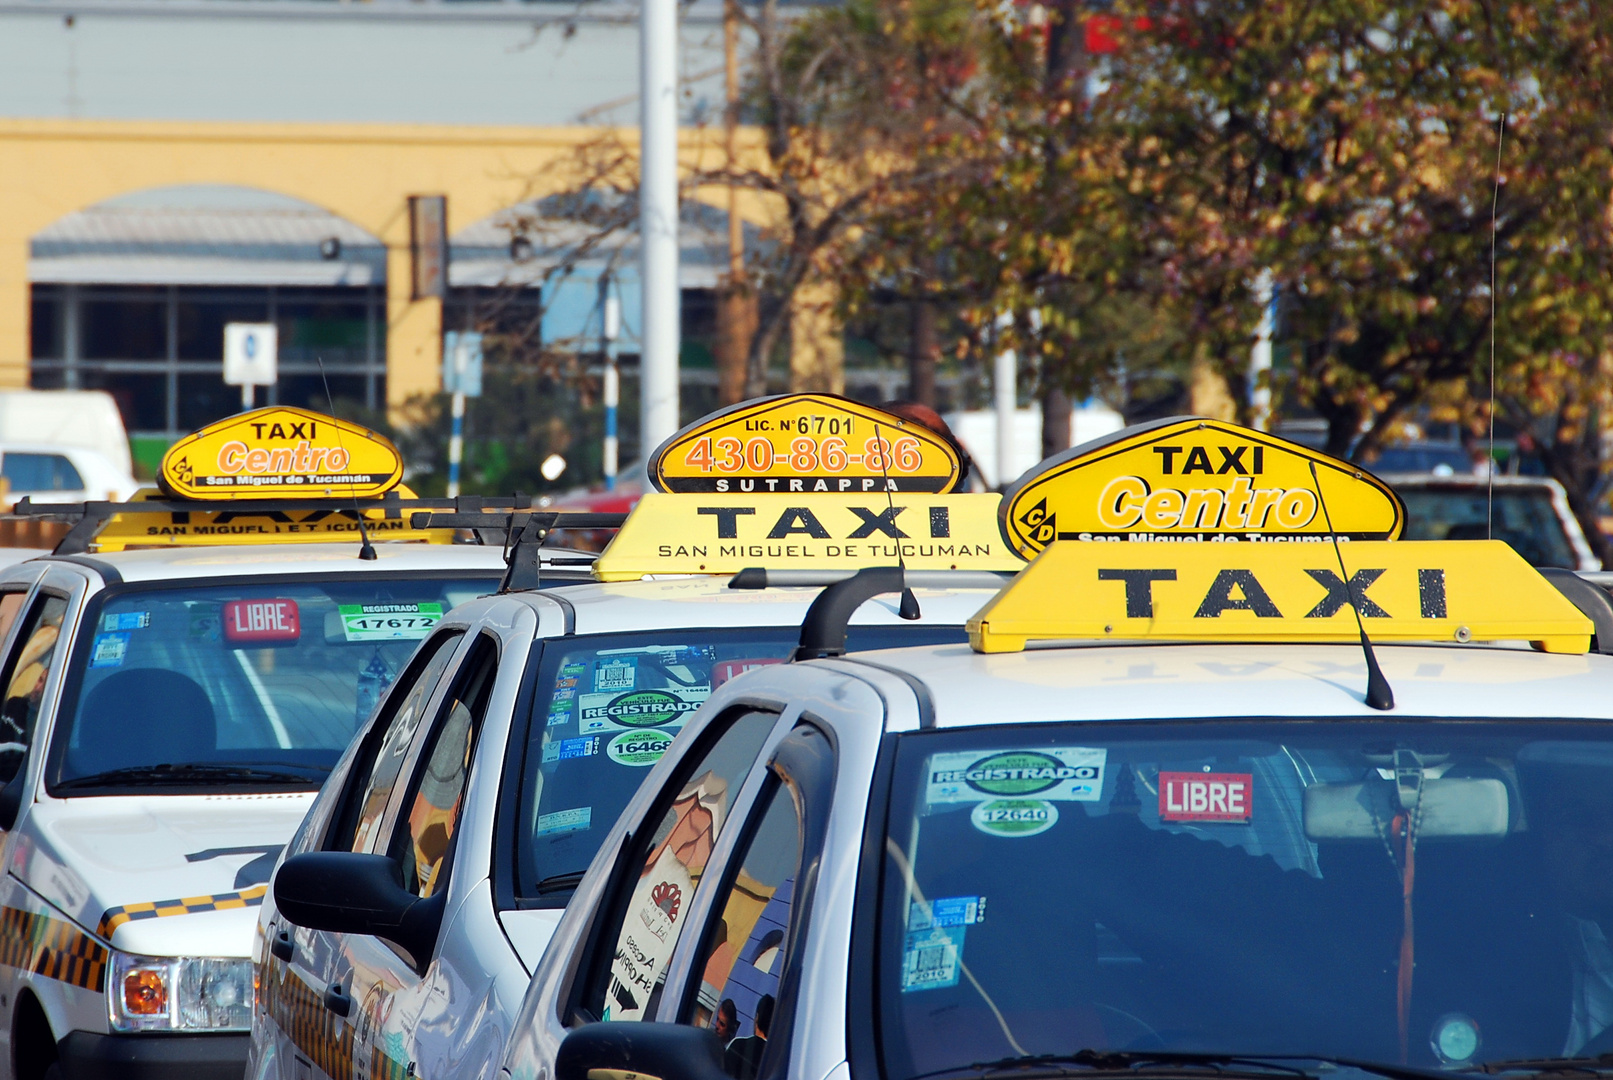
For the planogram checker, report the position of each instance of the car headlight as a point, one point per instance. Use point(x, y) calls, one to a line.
point(179, 993)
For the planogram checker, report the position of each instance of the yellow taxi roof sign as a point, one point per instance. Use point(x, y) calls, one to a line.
point(1192, 478)
point(804, 443)
point(1434, 590)
point(260, 524)
point(281, 452)
point(727, 533)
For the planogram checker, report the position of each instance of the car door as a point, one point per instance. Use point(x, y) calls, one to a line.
point(301, 965)
point(740, 975)
point(404, 1009)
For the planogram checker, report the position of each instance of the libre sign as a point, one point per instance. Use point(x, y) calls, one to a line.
point(280, 452)
point(804, 443)
point(1195, 479)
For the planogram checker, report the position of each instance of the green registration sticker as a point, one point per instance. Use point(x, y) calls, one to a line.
point(388, 622)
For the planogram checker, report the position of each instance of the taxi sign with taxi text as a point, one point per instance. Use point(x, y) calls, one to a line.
point(804, 443)
point(280, 452)
point(1435, 590)
point(1192, 479)
point(259, 523)
point(724, 534)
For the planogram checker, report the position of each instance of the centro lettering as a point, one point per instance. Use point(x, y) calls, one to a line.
point(235, 457)
point(1128, 500)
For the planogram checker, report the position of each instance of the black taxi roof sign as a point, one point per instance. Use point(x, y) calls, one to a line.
point(280, 452)
point(1417, 590)
point(804, 443)
point(1192, 478)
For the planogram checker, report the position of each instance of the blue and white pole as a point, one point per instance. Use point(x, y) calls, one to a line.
point(1260, 357)
point(610, 328)
point(456, 440)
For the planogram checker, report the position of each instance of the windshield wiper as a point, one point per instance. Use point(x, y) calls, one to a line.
point(1136, 1061)
point(197, 773)
point(1593, 1066)
point(559, 882)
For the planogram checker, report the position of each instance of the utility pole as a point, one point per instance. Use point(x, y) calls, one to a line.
point(610, 325)
point(658, 222)
point(736, 304)
point(1004, 380)
point(1260, 356)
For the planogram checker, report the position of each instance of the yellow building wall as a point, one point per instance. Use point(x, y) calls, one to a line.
point(362, 172)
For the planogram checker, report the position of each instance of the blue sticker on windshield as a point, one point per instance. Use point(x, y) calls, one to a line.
point(566, 749)
point(126, 620)
point(109, 650)
point(564, 821)
point(618, 673)
point(949, 911)
point(931, 958)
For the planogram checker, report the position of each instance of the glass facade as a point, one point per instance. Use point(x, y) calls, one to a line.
point(158, 350)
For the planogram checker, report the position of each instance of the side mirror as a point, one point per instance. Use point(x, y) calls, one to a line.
point(344, 892)
point(648, 1051)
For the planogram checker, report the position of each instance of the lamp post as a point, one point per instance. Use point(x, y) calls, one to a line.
point(658, 221)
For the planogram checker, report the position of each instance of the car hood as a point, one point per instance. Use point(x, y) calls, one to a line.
point(160, 875)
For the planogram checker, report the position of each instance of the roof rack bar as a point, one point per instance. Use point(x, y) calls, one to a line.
point(391, 503)
point(823, 631)
point(760, 577)
point(546, 520)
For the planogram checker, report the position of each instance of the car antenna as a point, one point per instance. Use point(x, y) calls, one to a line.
point(366, 550)
point(909, 606)
point(1379, 694)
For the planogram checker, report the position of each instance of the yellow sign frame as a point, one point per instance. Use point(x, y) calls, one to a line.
point(725, 533)
point(1417, 590)
point(258, 524)
point(1193, 478)
point(831, 444)
point(280, 452)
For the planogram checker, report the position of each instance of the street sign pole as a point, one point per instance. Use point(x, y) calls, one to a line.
point(658, 221)
point(462, 378)
point(610, 326)
point(251, 358)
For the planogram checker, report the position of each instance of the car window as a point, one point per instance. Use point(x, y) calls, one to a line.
point(744, 947)
point(10, 607)
point(665, 869)
point(235, 683)
point(26, 670)
point(1524, 517)
point(39, 472)
point(606, 708)
point(425, 835)
point(381, 772)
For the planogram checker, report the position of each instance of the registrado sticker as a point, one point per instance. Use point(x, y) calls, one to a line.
point(638, 709)
point(388, 622)
point(1063, 774)
point(1227, 798)
point(1014, 817)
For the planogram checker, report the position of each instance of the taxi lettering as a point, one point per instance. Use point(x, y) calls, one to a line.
point(235, 457)
point(801, 519)
point(1127, 501)
point(1239, 590)
point(1198, 460)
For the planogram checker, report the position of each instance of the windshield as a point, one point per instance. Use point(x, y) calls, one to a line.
point(1524, 518)
point(1432, 893)
point(260, 684)
point(608, 707)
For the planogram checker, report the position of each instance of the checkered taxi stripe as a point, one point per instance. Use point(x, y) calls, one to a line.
point(51, 947)
point(188, 905)
point(319, 1034)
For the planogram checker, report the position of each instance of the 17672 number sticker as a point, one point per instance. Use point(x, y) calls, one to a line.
point(388, 622)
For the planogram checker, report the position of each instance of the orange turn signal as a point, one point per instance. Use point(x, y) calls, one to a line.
point(145, 993)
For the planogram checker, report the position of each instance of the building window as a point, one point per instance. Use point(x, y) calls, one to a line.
point(159, 350)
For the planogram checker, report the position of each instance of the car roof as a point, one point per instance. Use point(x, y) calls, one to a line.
point(675, 603)
point(1462, 480)
point(1170, 681)
point(165, 564)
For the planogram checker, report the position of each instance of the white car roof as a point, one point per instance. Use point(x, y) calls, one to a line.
point(670, 604)
point(1152, 682)
point(164, 564)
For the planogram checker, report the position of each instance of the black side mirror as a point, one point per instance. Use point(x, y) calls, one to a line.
point(652, 1051)
point(344, 892)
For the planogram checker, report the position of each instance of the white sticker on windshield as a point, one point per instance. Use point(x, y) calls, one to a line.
point(930, 958)
point(388, 622)
point(638, 709)
point(617, 673)
point(126, 620)
point(564, 821)
point(109, 650)
point(1064, 773)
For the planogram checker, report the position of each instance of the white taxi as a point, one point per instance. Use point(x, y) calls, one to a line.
point(178, 679)
point(421, 891)
point(1295, 804)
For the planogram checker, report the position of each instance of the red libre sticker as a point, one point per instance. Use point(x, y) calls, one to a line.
point(259, 622)
point(728, 669)
point(1206, 796)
